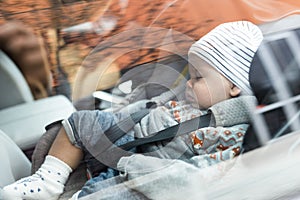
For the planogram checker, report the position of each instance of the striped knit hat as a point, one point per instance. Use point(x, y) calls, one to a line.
point(230, 48)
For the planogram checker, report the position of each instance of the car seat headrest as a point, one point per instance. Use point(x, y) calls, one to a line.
point(262, 83)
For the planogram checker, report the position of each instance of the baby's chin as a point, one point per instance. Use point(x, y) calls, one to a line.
point(189, 98)
point(192, 101)
point(196, 105)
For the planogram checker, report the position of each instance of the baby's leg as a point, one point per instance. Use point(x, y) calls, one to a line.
point(48, 182)
point(65, 151)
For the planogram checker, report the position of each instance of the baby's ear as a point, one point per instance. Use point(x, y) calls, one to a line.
point(234, 91)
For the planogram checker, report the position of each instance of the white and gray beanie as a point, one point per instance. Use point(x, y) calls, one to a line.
point(230, 48)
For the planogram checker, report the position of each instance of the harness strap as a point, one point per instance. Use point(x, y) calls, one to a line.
point(169, 133)
point(124, 126)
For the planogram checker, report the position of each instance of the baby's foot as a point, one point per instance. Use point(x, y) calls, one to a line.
point(47, 183)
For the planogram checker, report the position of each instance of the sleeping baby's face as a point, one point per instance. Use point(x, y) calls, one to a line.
point(207, 86)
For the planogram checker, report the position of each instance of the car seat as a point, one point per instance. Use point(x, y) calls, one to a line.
point(13, 84)
point(142, 89)
point(14, 163)
point(259, 171)
point(23, 120)
point(21, 117)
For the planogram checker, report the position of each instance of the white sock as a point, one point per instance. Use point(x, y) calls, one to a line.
point(47, 183)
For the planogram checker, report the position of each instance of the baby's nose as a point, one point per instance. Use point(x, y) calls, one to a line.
point(189, 83)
